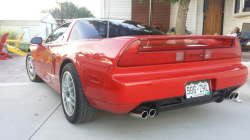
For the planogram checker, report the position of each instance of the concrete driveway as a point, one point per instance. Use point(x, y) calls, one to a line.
point(13, 70)
point(33, 111)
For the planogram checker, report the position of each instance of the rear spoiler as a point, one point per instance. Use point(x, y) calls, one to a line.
point(187, 37)
point(154, 50)
point(158, 43)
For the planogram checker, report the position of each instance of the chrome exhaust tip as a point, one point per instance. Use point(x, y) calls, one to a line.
point(236, 95)
point(139, 115)
point(152, 113)
point(231, 96)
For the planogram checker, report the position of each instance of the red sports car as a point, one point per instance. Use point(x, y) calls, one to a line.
point(124, 66)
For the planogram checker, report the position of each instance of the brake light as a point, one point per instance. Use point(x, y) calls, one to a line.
point(129, 54)
point(133, 47)
point(222, 53)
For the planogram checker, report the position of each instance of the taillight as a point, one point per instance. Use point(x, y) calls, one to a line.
point(237, 45)
point(165, 51)
point(233, 51)
point(133, 47)
point(129, 54)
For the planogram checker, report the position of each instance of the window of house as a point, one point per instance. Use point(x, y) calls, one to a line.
point(241, 8)
point(237, 6)
point(246, 6)
point(51, 28)
point(47, 31)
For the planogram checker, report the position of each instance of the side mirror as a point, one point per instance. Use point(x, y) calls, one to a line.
point(36, 40)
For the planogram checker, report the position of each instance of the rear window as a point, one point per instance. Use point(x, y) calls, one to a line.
point(89, 29)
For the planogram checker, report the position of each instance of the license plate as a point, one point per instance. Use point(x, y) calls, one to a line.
point(197, 89)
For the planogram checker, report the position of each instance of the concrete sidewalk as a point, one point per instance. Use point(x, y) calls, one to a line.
point(13, 70)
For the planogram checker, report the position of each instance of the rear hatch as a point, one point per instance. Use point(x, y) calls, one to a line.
point(155, 50)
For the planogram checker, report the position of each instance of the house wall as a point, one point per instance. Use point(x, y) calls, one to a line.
point(194, 17)
point(119, 9)
point(34, 29)
point(47, 25)
point(45, 30)
point(199, 19)
point(161, 13)
point(49, 19)
point(230, 21)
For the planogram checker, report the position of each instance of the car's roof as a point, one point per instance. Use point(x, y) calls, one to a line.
point(71, 20)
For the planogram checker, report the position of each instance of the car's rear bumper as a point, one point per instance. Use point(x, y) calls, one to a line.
point(126, 88)
point(164, 104)
point(181, 102)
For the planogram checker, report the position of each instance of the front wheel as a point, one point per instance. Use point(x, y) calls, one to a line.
point(76, 107)
point(31, 71)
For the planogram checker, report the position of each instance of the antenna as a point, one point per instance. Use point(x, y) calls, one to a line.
point(108, 22)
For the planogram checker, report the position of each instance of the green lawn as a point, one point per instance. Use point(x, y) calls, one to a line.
point(24, 47)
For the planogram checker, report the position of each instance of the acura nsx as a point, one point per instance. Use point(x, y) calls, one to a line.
point(123, 66)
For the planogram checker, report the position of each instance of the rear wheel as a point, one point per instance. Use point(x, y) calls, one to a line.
point(76, 107)
point(31, 71)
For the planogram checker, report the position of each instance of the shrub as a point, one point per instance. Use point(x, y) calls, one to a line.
point(12, 33)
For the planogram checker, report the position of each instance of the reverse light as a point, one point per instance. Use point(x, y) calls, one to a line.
point(208, 54)
point(180, 56)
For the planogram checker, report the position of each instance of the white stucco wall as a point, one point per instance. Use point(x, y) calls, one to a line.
point(230, 21)
point(33, 27)
point(43, 30)
point(194, 17)
point(47, 23)
point(49, 19)
point(119, 9)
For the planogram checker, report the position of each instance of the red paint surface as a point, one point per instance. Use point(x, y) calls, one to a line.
point(142, 76)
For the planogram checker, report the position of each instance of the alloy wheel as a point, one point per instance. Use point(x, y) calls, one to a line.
point(68, 93)
point(30, 67)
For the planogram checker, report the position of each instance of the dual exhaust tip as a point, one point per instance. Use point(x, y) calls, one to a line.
point(233, 96)
point(144, 114)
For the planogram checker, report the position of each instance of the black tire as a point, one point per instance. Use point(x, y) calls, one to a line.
point(5, 49)
point(34, 78)
point(83, 111)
